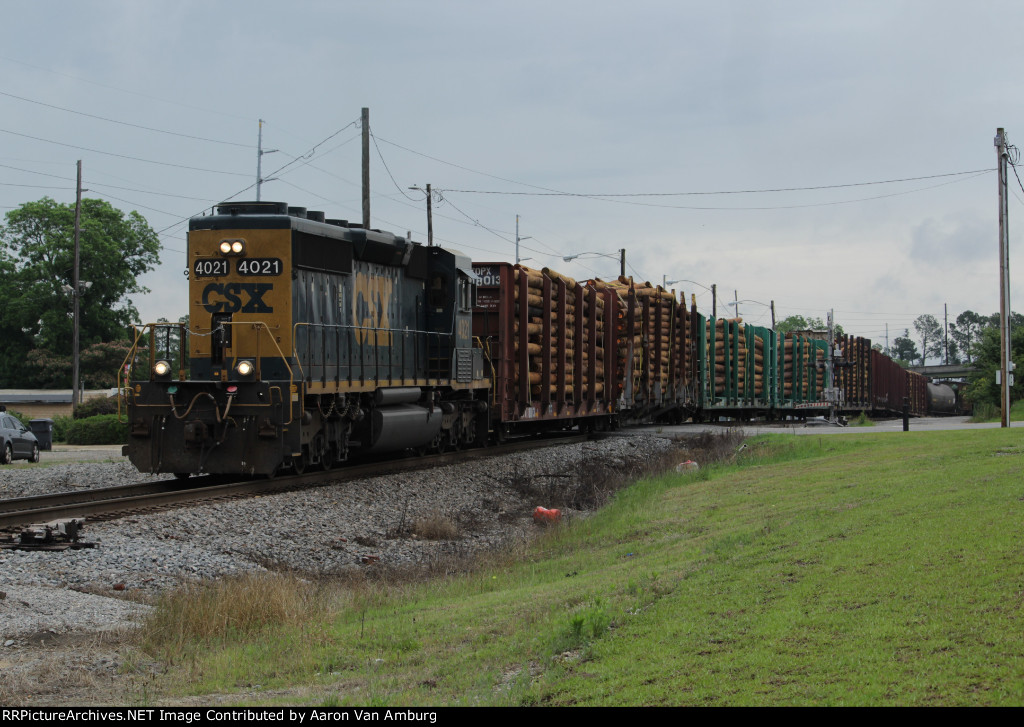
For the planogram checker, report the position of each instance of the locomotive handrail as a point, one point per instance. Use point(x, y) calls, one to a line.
point(128, 364)
point(377, 332)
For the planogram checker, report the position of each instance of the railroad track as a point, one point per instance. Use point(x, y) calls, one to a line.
point(111, 502)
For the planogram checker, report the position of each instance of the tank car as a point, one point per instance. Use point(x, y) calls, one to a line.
point(309, 341)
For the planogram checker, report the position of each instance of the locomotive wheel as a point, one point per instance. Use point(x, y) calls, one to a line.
point(299, 464)
point(329, 458)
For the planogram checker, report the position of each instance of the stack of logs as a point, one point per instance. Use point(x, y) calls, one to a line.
point(802, 351)
point(657, 325)
point(645, 339)
point(575, 303)
point(643, 332)
point(724, 350)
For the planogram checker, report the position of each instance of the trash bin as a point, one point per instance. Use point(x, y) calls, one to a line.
point(43, 429)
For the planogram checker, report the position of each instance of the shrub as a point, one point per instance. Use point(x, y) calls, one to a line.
point(60, 428)
point(95, 407)
point(23, 418)
point(103, 429)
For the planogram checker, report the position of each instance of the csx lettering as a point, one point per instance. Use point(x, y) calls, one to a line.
point(227, 297)
point(370, 309)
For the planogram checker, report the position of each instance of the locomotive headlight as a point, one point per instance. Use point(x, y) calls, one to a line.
point(245, 368)
point(231, 247)
point(162, 369)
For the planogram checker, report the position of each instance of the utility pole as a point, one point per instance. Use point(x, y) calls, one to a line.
point(773, 314)
point(622, 262)
point(1005, 364)
point(518, 238)
point(259, 160)
point(945, 330)
point(714, 300)
point(830, 370)
point(74, 295)
point(365, 123)
point(430, 220)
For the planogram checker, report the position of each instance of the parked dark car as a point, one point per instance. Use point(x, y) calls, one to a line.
point(16, 440)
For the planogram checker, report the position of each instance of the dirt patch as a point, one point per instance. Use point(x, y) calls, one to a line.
point(73, 669)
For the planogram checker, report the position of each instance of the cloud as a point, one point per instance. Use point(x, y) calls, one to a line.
point(952, 240)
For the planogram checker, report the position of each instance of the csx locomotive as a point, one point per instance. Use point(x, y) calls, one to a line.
point(308, 339)
point(311, 340)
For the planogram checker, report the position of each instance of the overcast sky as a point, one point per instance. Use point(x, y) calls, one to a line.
point(637, 111)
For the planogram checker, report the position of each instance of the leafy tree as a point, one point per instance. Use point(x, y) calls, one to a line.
point(966, 331)
point(101, 362)
point(930, 333)
point(15, 339)
point(799, 323)
point(904, 350)
point(37, 261)
point(983, 387)
point(954, 349)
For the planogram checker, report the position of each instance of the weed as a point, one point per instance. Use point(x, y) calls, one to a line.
point(862, 420)
point(581, 627)
point(435, 525)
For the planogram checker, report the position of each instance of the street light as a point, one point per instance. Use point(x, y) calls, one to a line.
point(621, 256)
point(736, 304)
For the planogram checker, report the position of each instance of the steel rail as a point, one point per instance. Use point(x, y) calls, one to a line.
point(109, 501)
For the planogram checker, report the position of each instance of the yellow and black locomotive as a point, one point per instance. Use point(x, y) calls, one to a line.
point(309, 340)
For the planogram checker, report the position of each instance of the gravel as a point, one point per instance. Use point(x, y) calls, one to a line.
point(407, 520)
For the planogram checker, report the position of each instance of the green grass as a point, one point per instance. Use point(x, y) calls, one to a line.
point(861, 570)
point(984, 412)
point(861, 420)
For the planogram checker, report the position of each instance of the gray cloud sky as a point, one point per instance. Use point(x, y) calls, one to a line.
point(583, 97)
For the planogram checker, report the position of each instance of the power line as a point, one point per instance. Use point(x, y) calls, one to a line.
point(126, 123)
point(392, 176)
point(124, 90)
point(123, 156)
point(552, 193)
point(306, 156)
point(617, 199)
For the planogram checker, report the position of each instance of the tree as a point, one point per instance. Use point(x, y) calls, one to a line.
point(37, 261)
point(930, 332)
point(983, 387)
point(966, 330)
point(799, 323)
point(15, 339)
point(904, 350)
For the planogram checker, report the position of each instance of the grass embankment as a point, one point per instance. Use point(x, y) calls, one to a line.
point(821, 570)
point(986, 413)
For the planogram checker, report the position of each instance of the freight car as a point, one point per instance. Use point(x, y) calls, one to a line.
point(311, 340)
